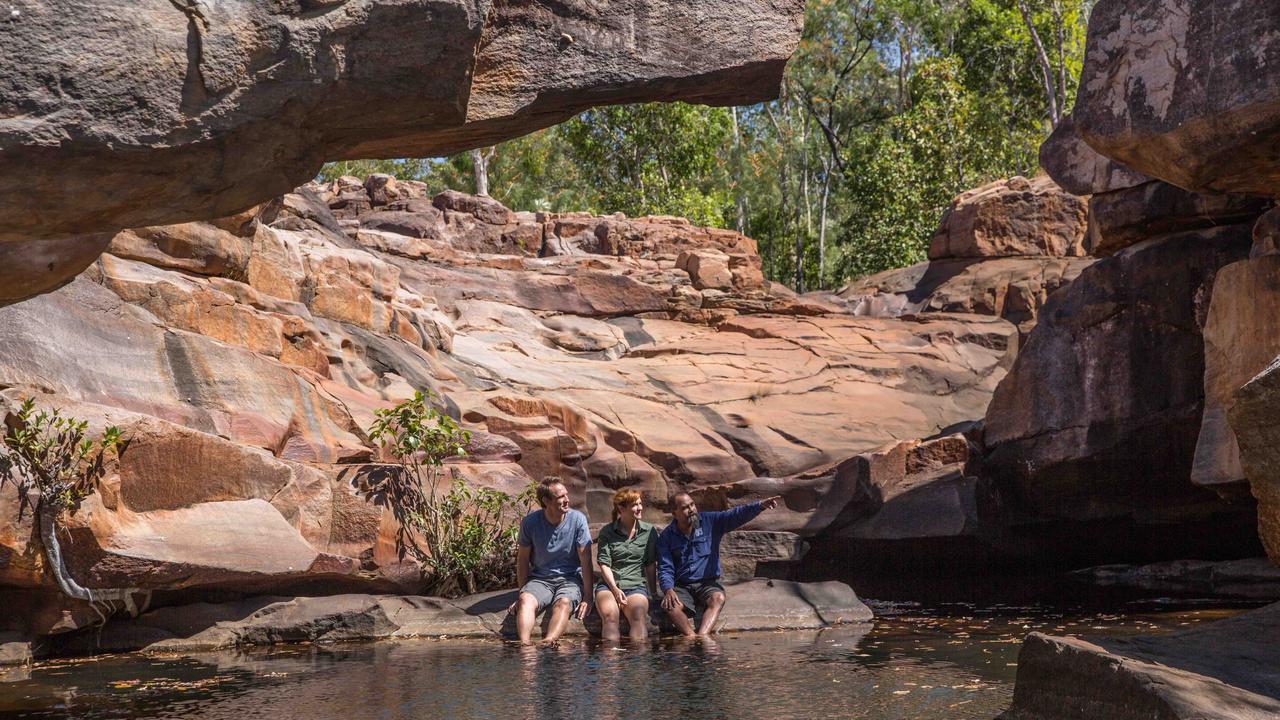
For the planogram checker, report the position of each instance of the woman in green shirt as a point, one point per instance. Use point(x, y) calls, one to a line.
point(627, 557)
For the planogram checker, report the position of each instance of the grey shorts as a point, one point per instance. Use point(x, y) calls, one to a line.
point(694, 596)
point(548, 590)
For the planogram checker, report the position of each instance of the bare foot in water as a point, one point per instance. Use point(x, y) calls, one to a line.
point(554, 642)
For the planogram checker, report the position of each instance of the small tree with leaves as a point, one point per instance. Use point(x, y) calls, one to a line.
point(462, 537)
point(54, 465)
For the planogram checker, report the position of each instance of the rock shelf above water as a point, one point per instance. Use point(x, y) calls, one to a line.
point(199, 627)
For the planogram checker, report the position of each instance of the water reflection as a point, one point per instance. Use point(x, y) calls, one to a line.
point(910, 666)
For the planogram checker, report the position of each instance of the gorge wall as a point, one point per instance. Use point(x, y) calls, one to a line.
point(244, 358)
point(1164, 363)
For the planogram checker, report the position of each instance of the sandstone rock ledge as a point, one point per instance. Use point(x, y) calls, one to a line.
point(757, 604)
point(1226, 670)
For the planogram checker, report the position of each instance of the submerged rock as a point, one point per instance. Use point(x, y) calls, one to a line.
point(1250, 579)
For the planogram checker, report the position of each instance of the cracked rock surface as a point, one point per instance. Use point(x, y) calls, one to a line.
point(244, 357)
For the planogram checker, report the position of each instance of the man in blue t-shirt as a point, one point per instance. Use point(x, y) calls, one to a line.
point(689, 560)
point(553, 563)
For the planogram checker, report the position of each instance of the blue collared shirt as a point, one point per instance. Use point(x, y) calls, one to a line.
point(696, 558)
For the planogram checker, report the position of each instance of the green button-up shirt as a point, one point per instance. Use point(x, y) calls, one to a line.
point(627, 558)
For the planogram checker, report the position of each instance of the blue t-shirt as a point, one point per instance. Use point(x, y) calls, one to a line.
point(555, 547)
point(696, 558)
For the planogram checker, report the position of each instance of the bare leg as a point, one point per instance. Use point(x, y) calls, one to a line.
point(560, 610)
point(638, 617)
point(681, 621)
point(711, 614)
point(608, 609)
point(526, 614)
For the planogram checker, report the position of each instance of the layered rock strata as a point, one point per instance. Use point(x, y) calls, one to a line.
point(1184, 92)
point(1000, 250)
point(245, 358)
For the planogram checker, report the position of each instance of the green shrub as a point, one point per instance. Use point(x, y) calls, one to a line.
point(462, 537)
point(54, 465)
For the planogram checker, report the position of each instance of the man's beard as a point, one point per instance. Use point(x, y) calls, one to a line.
point(695, 521)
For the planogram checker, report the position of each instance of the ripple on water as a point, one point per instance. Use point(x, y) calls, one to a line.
point(954, 663)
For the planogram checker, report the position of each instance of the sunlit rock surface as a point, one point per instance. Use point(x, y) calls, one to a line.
point(1001, 249)
point(245, 358)
point(1185, 91)
point(1078, 168)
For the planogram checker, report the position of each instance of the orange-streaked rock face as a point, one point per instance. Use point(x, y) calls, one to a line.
point(245, 359)
point(1012, 217)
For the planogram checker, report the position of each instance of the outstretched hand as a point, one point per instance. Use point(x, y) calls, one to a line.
point(770, 503)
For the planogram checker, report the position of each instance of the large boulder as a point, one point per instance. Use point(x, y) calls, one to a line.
point(1254, 418)
point(1185, 91)
point(1099, 415)
point(1216, 671)
point(1078, 168)
point(1012, 217)
point(237, 102)
point(1241, 338)
point(1130, 215)
point(1013, 288)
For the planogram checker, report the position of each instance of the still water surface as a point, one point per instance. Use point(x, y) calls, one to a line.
point(952, 663)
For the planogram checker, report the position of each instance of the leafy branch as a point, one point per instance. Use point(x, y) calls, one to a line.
point(54, 465)
point(463, 538)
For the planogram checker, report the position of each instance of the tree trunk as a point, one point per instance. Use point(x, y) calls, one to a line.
point(53, 553)
point(1061, 32)
point(1046, 70)
point(480, 170)
point(739, 201)
point(822, 226)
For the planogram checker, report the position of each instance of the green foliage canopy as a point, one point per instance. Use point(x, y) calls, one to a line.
point(889, 108)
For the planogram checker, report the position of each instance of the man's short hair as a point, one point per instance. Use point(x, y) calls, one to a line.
point(671, 501)
point(544, 489)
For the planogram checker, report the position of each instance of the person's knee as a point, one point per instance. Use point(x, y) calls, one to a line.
point(562, 603)
point(527, 602)
point(716, 600)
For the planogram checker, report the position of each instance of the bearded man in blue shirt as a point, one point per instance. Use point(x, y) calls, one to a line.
point(689, 560)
